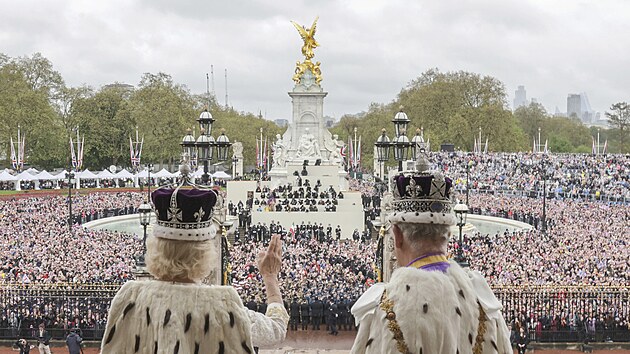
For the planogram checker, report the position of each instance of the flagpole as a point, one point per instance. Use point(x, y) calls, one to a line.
point(598, 141)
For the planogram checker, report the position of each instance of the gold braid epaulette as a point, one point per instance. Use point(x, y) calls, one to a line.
point(387, 305)
point(481, 331)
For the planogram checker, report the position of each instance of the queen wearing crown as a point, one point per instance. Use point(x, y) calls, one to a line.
point(430, 305)
point(175, 312)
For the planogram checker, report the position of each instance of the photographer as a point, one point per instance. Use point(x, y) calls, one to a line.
point(73, 341)
point(23, 346)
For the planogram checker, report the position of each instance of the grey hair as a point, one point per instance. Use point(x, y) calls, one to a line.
point(427, 237)
point(173, 259)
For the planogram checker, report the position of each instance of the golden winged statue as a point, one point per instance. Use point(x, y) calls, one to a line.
point(308, 36)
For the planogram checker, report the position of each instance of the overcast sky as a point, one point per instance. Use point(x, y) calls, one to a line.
point(369, 49)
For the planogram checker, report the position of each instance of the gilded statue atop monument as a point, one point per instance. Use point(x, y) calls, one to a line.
point(308, 36)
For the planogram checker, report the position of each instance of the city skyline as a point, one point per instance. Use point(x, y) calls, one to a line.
point(369, 50)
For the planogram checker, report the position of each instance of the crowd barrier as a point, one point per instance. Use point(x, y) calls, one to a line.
point(24, 305)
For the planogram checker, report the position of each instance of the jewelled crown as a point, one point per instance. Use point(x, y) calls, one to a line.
point(422, 197)
point(184, 213)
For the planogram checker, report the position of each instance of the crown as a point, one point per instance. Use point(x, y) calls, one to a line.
point(422, 197)
point(184, 213)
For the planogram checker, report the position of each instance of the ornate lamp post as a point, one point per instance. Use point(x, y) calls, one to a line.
point(205, 144)
point(382, 150)
point(401, 143)
point(222, 144)
point(468, 164)
point(144, 211)
point(461, 210)
point(70, 179)
point(149, 169)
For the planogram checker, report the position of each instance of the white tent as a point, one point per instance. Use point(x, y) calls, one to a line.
point(105, 174)
point(86, 174)
point(199, 172)
point(5, 176)
point(163, 173)
point(32, 171)
point(221, 175)
point(126, 174)
point(61, 175)
point(44, 175)
point(144, 174)
point(25, 176)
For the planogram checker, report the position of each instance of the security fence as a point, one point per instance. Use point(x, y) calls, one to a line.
point(548, 313)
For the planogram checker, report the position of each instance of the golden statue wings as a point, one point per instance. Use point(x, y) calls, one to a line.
point(308, 36)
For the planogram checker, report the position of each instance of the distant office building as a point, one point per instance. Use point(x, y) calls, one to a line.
point(329, 122)
point(520, 97)
point(579, 106)
point(281, 122)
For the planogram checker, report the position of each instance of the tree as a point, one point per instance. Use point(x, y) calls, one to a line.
point(40, 75)
point(104, 119)
point(530, 118)
point(21, 105)
point(452, 106)
point(620, 119)
point(163, 110)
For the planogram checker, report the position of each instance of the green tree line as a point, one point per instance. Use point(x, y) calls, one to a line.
point(450, 106)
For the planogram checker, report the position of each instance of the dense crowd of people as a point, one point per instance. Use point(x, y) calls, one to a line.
point(584, 244)
point(38, 247)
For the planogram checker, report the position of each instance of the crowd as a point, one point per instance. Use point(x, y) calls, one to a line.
point(585, 244)
point(304, 196)
point(38, 247)
point(567, 175)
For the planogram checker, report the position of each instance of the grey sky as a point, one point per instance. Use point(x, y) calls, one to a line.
point(369, 49)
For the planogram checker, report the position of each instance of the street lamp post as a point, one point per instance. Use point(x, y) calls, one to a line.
point(467, 175)
point(234, 164)
point(144, 211)
point(401, 142)
point(149, 168)
point(382, 151)
point(205, 144)
point(70, 179)
point(461, 210)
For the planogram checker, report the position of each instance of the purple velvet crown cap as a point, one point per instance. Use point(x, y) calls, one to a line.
point(424, 182)
point(193, 205)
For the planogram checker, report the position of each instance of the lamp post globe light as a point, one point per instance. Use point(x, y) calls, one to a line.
point(400, 122)
point(70, 179)
point(461, 210)
point(144, 212)
point(382, 150)
point(222, 144)
point(401, 149)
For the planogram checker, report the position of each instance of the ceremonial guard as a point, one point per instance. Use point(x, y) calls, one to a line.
point(430, 305)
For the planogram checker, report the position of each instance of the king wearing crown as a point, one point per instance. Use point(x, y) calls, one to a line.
point(430, 304)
